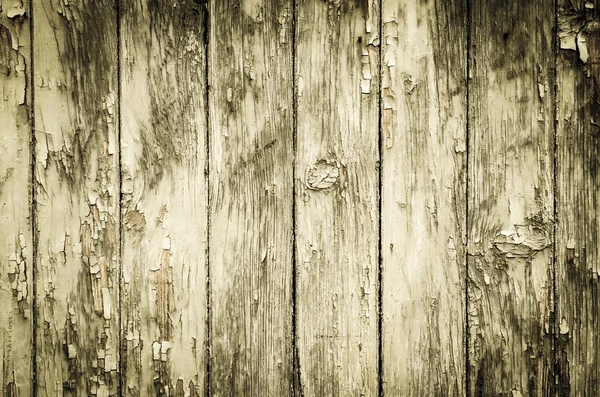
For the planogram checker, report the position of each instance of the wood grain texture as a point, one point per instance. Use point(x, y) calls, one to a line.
point(16, 253)
point(577, 192)
point(510, 198)
point(163, 143)
point(77, 197)
point(337, 197)
point(250, 243)
point(423, 197)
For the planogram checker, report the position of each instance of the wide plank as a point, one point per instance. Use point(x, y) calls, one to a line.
point(16, 245)
point(250, 168)
point(510, 198)
point(337, 197)
point(76, 197)
point(423, 197)
point(164, 192)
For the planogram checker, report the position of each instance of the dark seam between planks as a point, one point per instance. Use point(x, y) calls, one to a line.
point(379, 203)
point(33, 214)
point(207, 26)
point(122, 346)
point(296, 378)
point(467, 370)
point(554, 98)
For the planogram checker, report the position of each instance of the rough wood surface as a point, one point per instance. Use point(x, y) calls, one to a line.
point(423, 197)
point(229, 238)
point(77, 197)
point(577, 191)
point(16, 254)
point(250, 237)
point(510, 198)
point(163, 80)
point(337, 197)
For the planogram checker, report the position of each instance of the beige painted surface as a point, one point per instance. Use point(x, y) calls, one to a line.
point(16, 245)
point(299, 198)
point(164, 193)
point(511, 198)
point(337, 200)
point(76, 197)
point(423, 197)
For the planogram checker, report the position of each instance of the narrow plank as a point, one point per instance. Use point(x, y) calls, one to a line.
point(577, 191)
point(250, 237)
point(424, 197)
point(337, 198)
point(16, 248)
point(510, 199)
point(77, 197)
point(163, 147)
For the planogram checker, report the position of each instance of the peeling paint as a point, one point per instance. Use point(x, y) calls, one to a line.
point(163, 152)
point(336, 167)
point(525, 241)
point(511, 124)
point(18, 275)
point(16, 248)
point(76, 198)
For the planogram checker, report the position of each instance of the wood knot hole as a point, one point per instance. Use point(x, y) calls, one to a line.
point(323, 174)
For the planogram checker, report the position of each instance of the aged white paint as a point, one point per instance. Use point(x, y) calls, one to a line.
point(337, 203)
point(203, 280)
point(164, 197)
point(16, 248)
point(510, 198)
point(423, 198)
point(76, 197)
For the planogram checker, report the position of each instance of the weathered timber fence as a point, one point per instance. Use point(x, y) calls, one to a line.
point(299, 198)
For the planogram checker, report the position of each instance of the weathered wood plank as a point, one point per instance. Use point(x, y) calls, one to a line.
point(510, 185)
point(16, 248)
point(577, 192)
point(423, 197)
point(163, 79)
point(77, 197)
point(337, 197)
point(250, 237)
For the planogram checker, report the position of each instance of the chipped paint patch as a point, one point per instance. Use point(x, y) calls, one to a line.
point(522, 242)
point(17, 275)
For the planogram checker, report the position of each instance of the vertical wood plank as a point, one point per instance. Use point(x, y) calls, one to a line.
point(16, 248)
point(337, 198)
point(77, 197)
point(577, 190)
point(423, 197)
point(163, 80)
point(510, 220)
point(250, 238)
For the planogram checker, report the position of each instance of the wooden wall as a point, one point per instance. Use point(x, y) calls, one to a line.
point(299, 198)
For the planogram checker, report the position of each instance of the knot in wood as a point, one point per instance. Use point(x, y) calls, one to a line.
point(323, 174)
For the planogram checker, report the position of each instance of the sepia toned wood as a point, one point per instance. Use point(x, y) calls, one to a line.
point(163, 148)
point(250, 234)
point(77, 197)
point(510, 198)
point(337, 198)
point(16, 245)
point(299, 198)
point(423, 197)
point(577, 191)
